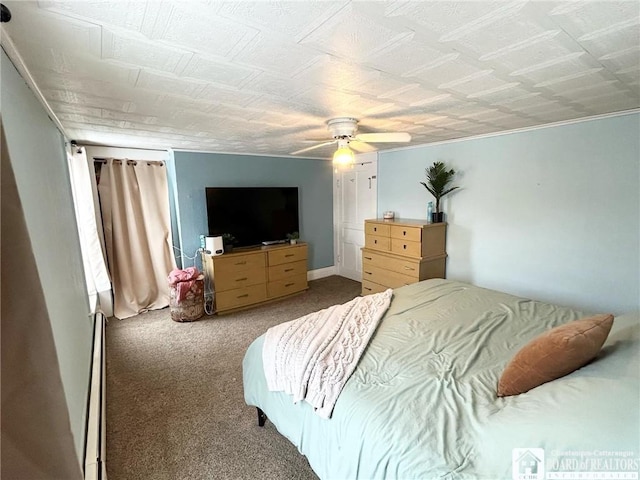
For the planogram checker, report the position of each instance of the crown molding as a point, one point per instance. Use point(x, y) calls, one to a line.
point(186, 150)
point(517, 130)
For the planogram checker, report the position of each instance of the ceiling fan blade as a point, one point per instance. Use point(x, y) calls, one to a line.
point(313, 147)
point(317, 140)
point(361, 147)
point(386, 137)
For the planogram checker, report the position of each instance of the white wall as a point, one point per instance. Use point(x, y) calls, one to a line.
point(38, 158)
point(551, 213)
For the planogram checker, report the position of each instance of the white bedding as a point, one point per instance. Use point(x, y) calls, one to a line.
point(312, 357)
point(422, 404)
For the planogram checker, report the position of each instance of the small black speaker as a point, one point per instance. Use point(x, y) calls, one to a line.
point(5, 14)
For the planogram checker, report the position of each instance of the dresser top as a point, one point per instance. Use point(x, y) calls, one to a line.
point(412, 222)
point(259, 249)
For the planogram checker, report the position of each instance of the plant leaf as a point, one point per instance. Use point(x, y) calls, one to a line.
point(448, 191)
point(438, 177)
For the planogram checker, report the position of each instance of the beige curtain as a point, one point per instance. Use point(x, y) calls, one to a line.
point(134, 199)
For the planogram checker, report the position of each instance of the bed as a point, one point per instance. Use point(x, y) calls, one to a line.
point(422, 402)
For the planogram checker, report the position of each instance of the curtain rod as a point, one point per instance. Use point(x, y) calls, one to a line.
point(159, 163)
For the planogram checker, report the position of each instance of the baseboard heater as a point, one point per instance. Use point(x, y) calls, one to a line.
point(96, 444)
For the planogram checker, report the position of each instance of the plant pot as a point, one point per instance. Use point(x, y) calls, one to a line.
point(293, 241)
point(437, 217)
point(228, 248)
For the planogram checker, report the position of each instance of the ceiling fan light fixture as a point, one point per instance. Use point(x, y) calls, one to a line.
point(343, 156)
point(343, 130)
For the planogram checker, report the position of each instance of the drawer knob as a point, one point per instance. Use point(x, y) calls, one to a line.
point(375, 229)
point(289, 284)
point(367, 258)
point(368, 273)
point(409, 268)
point(404, 232)
point(244, 262)
point(243, 296)
point(241, 279)
point(367, 288)
point(290, 255)
point(404, 246)
point(375, 241)
point(288, 269)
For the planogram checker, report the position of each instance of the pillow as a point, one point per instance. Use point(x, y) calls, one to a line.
point(554, 354)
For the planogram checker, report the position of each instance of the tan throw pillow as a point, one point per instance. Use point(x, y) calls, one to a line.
point(554, 354)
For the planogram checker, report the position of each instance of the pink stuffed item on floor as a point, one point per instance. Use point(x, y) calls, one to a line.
point(183, 280)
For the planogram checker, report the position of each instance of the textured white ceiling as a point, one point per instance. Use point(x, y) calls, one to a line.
point(263, 77)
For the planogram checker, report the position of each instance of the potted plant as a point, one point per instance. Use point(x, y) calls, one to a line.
point(228, 240)
point(438, 180)
point(293, 237)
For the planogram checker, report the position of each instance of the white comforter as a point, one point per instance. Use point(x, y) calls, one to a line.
point(313, 356)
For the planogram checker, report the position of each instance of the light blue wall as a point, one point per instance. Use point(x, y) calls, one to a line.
point(38, 158)
point(193, 172)
point(551, 213)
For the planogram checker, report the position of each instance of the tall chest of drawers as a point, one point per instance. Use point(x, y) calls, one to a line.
point(252, 276)
point(400, 252)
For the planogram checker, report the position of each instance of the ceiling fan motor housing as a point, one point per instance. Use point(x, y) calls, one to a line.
point(343, 127)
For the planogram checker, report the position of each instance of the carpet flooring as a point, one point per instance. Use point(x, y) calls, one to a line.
point(175, 404)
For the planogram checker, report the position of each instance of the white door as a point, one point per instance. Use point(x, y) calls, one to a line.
point(355, 200)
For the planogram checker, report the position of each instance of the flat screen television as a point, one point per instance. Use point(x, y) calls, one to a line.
point(253, 215)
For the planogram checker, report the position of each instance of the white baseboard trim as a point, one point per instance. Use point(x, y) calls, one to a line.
point(321, 273)
point(95, 449)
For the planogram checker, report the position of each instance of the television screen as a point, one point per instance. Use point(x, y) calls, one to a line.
point(252, 214)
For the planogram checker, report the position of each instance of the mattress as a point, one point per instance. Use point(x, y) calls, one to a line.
point(422, 401)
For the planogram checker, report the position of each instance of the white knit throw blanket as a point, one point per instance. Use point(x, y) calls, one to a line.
point(313, 356)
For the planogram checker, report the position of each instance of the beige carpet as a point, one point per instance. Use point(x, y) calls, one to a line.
point(175, 405)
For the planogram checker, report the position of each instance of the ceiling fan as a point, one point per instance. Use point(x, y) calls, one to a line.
point(343, 130)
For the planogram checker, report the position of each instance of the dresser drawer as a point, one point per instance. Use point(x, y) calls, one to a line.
point(376, 229)
point(286, 270)
point(412, 234)
point(369, 287)
point(240, 297)
point(227, 265)
point(239, 278)
point(286, 286)
point(386, 277)
point(287, 255)
point(377, 243)
point(405, 266)
point(405, 247)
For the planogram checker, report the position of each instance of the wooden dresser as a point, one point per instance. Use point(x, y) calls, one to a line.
point(400, 252)
point(248, 277)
